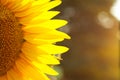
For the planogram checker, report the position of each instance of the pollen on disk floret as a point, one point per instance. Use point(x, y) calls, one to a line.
point(11, 38)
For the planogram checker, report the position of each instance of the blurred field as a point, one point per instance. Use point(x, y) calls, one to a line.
point(94, 47)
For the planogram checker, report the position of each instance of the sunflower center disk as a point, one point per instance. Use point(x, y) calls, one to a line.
point(11, 39)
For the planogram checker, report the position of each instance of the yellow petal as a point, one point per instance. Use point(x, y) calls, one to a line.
point(39, 55)
point(46, 69)
point(50, 24)
point(48, 59)
point(48, 37)
point(21, 6)
point(37, 50)
point(24, 13)
point(50, 5)
point(52, 49)
point(9, 77)
point(4, 2)
point(3, 77)
point(39, 2)
point(47, 15)
point(30, 49)
point(14, 74)
point(29, 12)
point(38, 16)
point(30, 71)
point(54, 34)
point(13, 4)
point(35, 29)
point(53, 24)
point(41, 41)
point(38, 8)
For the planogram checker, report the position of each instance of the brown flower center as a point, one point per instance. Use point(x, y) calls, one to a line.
point(11, 39)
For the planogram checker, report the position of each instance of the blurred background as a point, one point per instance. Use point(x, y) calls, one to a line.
point(94, 47)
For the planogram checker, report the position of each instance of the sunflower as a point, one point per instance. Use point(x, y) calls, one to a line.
point(28, 34)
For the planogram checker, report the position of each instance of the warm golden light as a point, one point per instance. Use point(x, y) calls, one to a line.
point(115, 9)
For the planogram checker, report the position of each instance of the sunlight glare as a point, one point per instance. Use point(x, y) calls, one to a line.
point(115, 9)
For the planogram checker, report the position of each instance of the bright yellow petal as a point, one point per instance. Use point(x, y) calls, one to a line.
point(50, 5)
point(47, 15)
point(42, 41)
point(53, 24)
point(50, 24)
point(31, 49)
point(48, 37)
point(38, 8)
point(39, 2)
point(39, 55)
point(46, 69)
point(48, 59)
point(52, 49)
point(54, 34)
point(40, 33)
point(40, 16)
point(42, 56)
point(30, 71)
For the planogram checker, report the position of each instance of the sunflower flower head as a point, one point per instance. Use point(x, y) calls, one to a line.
point(28, 34)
